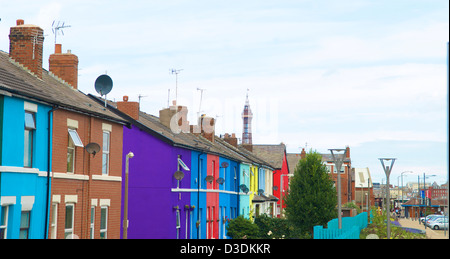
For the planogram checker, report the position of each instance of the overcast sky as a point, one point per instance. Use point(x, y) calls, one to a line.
point(321, 74)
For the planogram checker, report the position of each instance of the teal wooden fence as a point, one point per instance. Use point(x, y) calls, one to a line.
point(351, 228)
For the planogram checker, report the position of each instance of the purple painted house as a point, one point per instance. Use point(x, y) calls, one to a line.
point(154, 210)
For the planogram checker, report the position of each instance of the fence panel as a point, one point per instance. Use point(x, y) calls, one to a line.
point(351, 228)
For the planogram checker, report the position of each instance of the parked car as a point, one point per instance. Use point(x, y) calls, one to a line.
point(438, 223)
point(430, 217)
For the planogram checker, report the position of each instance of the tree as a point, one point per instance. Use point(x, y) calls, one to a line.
point(312, 197)
point(241, 227)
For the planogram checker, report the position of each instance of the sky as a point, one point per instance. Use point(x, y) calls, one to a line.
point(320, 74)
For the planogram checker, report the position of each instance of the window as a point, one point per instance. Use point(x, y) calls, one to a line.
point(92, 221)
point(30, 126)
point(53, 223)
point(103, 222)
point(3, 221)
point(24, 225)
point(214, 186)
point(75, 138)
point(178, 218)
point(105, 157)
point(74, 141)
point(235, 180)
point(68, 231)
point(70, 156)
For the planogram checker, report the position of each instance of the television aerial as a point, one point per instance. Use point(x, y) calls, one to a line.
point(103, 85)
point(58, 26)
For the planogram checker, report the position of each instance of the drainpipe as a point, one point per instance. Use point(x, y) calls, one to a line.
point(198, 193)
point(49, 135)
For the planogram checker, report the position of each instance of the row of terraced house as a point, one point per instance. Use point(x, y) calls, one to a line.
point(72, 166)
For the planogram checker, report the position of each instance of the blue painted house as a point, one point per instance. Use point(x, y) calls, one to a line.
point(25, 154)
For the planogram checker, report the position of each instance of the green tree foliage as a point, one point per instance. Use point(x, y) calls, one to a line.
point(241, 227)
point(312, 197)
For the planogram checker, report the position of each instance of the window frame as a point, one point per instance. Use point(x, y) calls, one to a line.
point(92, 224)
point(71, 229)
point(106, 153)
point(54, 222)
point(4, 226)
point(104, 230)
point(28, 140)
point(27, 227)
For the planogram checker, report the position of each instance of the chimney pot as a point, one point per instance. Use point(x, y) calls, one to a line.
point(20, 22)
point(125, 98)
point(58, 48)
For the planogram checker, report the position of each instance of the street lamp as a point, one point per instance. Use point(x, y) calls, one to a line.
point(125, 210)
point(387, 171)
point(338, 159)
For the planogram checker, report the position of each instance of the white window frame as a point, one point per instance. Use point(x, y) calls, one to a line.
point(104, 230)
point(28, 149)
point(72, 149)
point(92, 225)
point(5, 217)
point(54, 222)
point(73, 134)
point(106, 152)
point(68, 232)
point(28, 224)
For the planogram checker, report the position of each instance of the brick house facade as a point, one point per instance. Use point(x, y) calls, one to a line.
point(84, 184)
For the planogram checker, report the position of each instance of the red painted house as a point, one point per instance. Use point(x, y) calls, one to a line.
point(212, 198)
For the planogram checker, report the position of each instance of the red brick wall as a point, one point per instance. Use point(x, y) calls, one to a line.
point(90, 130)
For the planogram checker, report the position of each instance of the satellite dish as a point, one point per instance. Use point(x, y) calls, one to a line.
point(260, 191)
point(209, 178)
point(103, 84)
point(243, 187)
point(178, 175)
point(92, 148)
point(275, 188)
point(220, 180)
point(224, 164)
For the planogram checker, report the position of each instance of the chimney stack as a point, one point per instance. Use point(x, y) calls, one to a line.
point(175, 113)
point(303, 153)
point(64, 66)
point(208, 127)
point(26, 46)
point(232, 140)
point(129, 108)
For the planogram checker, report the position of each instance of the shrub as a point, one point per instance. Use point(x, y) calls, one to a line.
point(241, 227)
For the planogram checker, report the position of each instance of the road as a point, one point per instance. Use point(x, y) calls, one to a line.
point(432, 234)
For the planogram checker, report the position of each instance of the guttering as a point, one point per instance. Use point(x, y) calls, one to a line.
point(49, 148)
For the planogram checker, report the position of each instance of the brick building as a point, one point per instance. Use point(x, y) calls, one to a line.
point(86, 188)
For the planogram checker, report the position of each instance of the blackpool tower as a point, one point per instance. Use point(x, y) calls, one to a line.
point(247, 116)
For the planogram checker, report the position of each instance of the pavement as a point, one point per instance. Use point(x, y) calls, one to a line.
point(431, 234)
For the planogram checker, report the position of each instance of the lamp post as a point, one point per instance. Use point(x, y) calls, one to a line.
point(338, 159)
point(125, 210)
point(387, 171)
